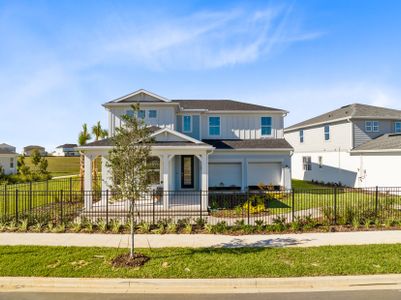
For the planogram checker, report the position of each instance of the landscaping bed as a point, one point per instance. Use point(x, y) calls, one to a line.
point(202, 262)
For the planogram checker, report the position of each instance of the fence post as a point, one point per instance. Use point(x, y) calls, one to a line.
point(30, 196)
point(47, 191)
point(70, 189)
point(61, 206)
point(5, 200)
point(249, 204)
point(16, 205)
point(200, 204)
point(107, 208)
point(335, 205)
point(376, 200)
point(293, 205)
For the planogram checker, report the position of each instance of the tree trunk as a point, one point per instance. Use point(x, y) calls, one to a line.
point(132, 249)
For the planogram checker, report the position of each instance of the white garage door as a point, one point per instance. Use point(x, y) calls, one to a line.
point(225, 174)
point(267, 173)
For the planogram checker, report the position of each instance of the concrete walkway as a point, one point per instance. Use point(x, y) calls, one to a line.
point(202, 240)
point(199, 286)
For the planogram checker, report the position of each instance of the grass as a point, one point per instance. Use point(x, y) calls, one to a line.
point(60, 166)
point(203, 262)
point(302, 184)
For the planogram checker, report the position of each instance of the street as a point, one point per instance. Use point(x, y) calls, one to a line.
point(348, 295)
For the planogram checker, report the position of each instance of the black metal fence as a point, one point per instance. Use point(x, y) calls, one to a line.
point(323, 206)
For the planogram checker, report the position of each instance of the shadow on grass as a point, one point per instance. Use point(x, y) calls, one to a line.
point(274, 203)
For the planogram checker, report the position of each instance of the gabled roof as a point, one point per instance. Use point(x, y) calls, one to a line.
point(384, 143)
point(223, 105)
point(265, 144)
point(33, 147)
point(7, 151)
point(352, 111)
point(67, 146)
point(141, 97)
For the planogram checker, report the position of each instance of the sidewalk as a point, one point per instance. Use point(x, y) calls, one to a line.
point(202, 240)
point(200, 286)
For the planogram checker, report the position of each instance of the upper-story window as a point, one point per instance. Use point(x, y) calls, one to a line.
point(266, 125)
point(372, 126)
point(397, 127)
point(141, 114)
point(130, 113)
point(12, 163)
point(214, 125)
point(301, 136)
point(152, 114)
point(186, 123)
point(326, 132)
point(307, 163)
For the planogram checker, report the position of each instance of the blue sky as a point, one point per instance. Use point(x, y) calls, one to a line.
point(60, 60)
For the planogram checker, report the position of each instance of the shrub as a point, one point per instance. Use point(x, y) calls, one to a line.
point(209, 228)
point(76, 226)
point(297, 224)
point(309, 222)
point(172, 228)
point(102, 225)
point(355, 223)
point(200, 222)
point(115, 226)
point(255, 204)
point(89, 226)
point(279, 223)
point(59, 228)
point(188, 229)
point(144, 227)
point(160, 229)
point(220, 227)
point(24, 224)
point(366, 223)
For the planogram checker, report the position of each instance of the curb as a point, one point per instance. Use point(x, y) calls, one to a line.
point(200, 286)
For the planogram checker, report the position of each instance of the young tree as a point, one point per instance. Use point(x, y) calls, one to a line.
point(99, 133)
point(127, 161)
point(83, 137)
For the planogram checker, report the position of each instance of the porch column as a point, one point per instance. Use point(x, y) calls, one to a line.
point(166, 185)
point(88, 181)
point(106, 178)
point(204, 180)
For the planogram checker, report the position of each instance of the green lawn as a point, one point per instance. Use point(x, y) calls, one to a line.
point(202, 263)
point(60, 166)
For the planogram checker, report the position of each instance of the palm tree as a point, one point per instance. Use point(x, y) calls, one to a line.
point(83, 138)
point(99, 133)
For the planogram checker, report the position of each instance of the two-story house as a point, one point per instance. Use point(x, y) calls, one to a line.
point(204, 145)
point(66, 150)
point(357, 145)
point(8, 159)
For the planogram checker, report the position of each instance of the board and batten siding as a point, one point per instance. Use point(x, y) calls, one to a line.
point(361, 136)
point(195, 132)
point(165, 116)
point(340, 138)
point(242, 126)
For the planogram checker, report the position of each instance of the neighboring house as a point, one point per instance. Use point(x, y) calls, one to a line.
point(8, 159)
point(357, 145)
point(29, 149)
point(66, 150)
point(204, 144)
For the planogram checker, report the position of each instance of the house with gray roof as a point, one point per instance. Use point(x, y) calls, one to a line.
point(67, 150)
point(8, 159)
point(203, 145)
point(357, 145)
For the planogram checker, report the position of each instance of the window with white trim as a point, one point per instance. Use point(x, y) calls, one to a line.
point(130, 113)
point(307, 163)
point(266, 126)
point(152, 114)
point(141, 114)
point(372, 126)
point(320, 162)
point(301, 136)
point(326, 132)
point(11, 162)
point(214, 126)
point(397, 127)
point(187, 123)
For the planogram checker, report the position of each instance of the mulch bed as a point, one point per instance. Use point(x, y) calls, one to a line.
point(124, 260)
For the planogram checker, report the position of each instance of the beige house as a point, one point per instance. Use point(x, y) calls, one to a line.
point(8, 159)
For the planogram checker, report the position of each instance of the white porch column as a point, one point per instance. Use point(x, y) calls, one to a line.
point(106, 178)
point(166, 185)
point(204, 180)
point(88, 181)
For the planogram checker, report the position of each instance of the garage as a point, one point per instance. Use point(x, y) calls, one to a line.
point(268, 173)
point(225, 174)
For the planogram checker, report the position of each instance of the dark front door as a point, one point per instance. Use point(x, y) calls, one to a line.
point(187, 171)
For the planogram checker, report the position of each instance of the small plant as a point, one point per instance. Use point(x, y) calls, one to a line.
point(24, 224)
point(367, 223)
point(238, 224)
point(59, 228)
point(389, 222)
point(355, 223)
point(309, 223)
point(209, 228)
point(259, 225)
point(172, 228)
point(161, 229)
point(183, 222)
point(144, 227)
point(12, 226)
point(220, 227)
point(200, 222)
point(3, 227)
point(50, 226)
point(76, 226)
point(297, 224)
point(89, 226)
point(102, 225)
point(279, 223)
point(115, 226)
point(187, 229)
point(37, 227)
point(378, 223)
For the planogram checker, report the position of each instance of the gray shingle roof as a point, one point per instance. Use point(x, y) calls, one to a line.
point(250, 144)
point(355, 110)
point(108, 143)
point(6, 151)
point(67, 146)
point(223, 105)
point(389, 141)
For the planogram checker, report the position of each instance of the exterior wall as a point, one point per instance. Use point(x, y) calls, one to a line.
point(165, 116)
point(361, 136)
point(247, 157)
point(195, 128)
point(29, 152)
point(336, 167)
point(5, 160)
point(340, 138)
point(240, 126)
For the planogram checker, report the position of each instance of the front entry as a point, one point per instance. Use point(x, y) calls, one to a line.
point(187, 171)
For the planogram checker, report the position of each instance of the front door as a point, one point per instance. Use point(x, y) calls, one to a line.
point(187, 171)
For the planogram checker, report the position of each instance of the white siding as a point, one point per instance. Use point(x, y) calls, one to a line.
point(340, 138)
point(225, 174)
point(242, 126)
point(5, 163)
